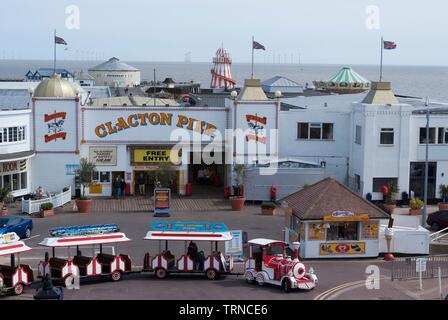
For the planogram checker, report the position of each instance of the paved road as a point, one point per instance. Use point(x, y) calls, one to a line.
point(331, 273)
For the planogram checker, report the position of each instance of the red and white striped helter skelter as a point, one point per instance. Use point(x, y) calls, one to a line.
point(221, 74)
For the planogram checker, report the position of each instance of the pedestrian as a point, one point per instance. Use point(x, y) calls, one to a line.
point(117, 186)
point(123, 188)
point(141, 184)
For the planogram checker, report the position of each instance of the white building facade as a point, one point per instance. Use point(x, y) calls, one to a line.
point(362, 144)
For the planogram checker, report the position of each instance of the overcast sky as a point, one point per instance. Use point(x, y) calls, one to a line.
point(325, 31)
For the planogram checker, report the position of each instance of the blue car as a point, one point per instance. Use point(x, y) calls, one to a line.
point(22, 227)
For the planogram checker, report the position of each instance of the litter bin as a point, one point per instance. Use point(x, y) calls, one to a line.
point(189, 189)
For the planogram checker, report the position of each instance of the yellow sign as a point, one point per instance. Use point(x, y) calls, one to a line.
point(316, 231)
point(327, 249)
point(370, 229)
point(155, 156)
point(345, 216)
point(96, 189)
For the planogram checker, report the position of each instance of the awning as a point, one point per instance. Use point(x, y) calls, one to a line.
point(84, 240)
point(13, 248)
point(17, 156)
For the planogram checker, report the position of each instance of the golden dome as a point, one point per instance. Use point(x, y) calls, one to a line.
point(55, 87)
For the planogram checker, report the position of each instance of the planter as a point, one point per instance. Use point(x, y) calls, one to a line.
point(413, 212)
point(4, 212)
point(391, 208)
point(268, 212)
point(83, 205)
point(443, 206)
point(46, 213)
point(237, 203)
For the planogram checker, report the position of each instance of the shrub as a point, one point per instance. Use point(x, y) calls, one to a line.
point(46, 206)
point(443, 188)
point(268, 206)
point(416, 204)
point(391, 193)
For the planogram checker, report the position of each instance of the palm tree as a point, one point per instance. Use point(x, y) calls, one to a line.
point(85, 172)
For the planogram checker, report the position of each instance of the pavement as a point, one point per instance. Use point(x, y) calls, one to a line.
point(338, 279)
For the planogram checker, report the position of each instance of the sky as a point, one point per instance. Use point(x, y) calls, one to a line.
point(321, 32)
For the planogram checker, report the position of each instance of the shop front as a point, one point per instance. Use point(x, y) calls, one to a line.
point(155, 167)
point(326, 229)
point(14, 175)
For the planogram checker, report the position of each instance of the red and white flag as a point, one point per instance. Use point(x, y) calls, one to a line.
point(59, 40)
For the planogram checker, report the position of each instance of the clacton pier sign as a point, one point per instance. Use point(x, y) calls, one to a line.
point(143, 124)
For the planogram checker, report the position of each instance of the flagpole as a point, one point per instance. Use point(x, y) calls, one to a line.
point(54, 61)
point(381, 63)
point(252, 75)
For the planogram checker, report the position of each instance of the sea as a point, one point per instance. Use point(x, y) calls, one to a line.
point(415, 81)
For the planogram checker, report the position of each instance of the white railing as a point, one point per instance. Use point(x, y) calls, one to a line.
point(439, 235)
point(58, 200)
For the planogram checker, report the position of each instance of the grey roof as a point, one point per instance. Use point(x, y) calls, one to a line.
point(98, 92)
point(48, 72)
point(14, 99)
point(113, 64)
point(279, 81)
point(210, 100)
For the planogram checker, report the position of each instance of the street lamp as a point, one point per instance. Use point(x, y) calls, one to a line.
point(425, 208)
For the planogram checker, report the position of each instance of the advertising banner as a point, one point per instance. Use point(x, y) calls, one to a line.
point(342, 248)
point(103, 156)
point(162, 202)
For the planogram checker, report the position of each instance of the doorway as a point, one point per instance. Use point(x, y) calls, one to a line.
point(145, 181)
point(417, 179)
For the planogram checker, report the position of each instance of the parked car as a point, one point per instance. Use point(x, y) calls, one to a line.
point(22, 227)
point(438, 220)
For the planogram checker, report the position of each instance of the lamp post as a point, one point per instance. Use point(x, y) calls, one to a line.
point(425, 208)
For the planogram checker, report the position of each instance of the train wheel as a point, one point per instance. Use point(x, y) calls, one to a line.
point(249, 277)
point(260, 279)
point(116, 275)
point(211, 274)
point(161, 273)
point(18, 289)
point(286, 285)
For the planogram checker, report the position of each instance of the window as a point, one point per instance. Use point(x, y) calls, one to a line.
point(357, 182)
point(315, 131)
point(387, 136)
point(104, 176)
point(343, 231)
point(23, 180)
point(432, 136)
point(12, 134)
point(302, 131)
point(443, 136)
point(378, 183)
point(358, 135)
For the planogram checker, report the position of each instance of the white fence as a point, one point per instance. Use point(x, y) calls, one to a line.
point(58, 200)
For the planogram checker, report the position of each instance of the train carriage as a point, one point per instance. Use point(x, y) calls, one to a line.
point(164, 262)
point(97, 265)
point(269, 263)
point(14, 277)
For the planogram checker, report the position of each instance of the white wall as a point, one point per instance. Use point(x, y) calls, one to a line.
point(15, 118)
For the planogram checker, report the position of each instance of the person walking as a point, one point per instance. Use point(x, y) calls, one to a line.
point(141, 184)
point(123, 188)
point(117, 187)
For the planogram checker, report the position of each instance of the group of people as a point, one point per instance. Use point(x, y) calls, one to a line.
point(119, 187)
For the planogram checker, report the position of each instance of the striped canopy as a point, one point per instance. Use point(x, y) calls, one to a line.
point(348, 75)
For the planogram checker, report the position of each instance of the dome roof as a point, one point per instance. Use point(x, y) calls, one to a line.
point(55, 87)
point(348, 75)
point(113, 64)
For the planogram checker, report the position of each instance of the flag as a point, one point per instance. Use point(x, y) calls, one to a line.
point(257, 45)
point(390, 45)
point(59, 40)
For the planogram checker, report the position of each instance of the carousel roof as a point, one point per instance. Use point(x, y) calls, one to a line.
point(348, 75)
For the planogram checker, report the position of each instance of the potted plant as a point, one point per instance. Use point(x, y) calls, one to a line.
point(390, 196)
point(4, 192)
point(443, 206)
point(238, 200)
point(46, 210)
point(85, 172)
point(268, 208)
point(416, 207)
